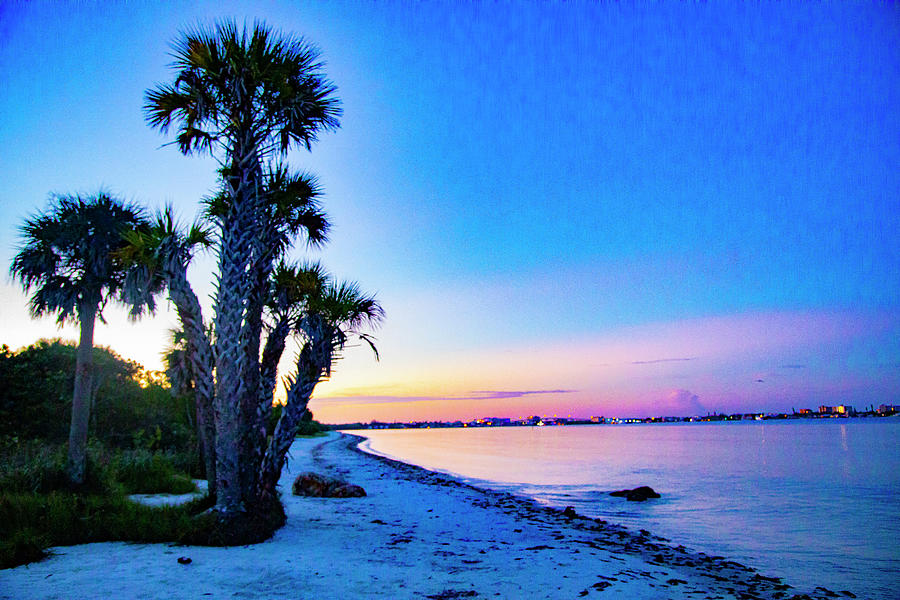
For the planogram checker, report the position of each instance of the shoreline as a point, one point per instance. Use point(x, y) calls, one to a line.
point(417, 534)
point(732, 577)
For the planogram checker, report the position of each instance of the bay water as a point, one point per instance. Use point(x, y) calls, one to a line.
point(816, 502)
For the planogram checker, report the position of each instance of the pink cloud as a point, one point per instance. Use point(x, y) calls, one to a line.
point(679, 403)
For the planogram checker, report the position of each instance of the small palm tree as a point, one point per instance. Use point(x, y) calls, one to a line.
point(67, 258)
point(291, 286)
point(157, 257)
point(333, 316)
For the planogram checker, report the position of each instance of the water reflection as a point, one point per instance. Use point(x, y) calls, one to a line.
point(780, 495)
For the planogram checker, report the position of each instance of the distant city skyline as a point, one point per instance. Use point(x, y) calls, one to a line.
point(579, 209)
point(841, 411)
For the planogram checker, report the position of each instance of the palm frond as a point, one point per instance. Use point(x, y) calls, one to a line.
point(240, 83)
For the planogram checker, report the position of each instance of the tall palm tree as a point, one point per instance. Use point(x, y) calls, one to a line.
point(335, 314)
point(244, 96)
point(158, 256)
point(67, 258)
point(291, 208)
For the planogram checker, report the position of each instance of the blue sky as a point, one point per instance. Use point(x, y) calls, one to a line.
point(531, 186)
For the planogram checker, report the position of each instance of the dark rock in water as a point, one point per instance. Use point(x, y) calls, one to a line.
point(184, 560)
point(570, 512)
point(452, 594)
point(320, 486)
point(638, 494)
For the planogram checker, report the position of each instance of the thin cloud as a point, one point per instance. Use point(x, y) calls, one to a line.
point(661, 360)
point(492, 395)
point(474, 395)
point(792, 367)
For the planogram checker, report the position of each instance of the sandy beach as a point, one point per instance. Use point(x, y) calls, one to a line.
point(416, 534)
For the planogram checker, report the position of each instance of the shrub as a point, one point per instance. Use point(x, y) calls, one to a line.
point(37, 467)
point(132, 408)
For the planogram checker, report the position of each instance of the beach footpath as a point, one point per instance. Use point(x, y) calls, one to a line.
point(416, 534)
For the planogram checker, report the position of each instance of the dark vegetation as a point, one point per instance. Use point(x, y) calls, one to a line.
point(133, 409)
point(142, 441)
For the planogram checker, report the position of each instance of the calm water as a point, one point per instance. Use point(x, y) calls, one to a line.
point(816, 502)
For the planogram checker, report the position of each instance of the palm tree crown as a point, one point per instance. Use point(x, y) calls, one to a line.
point(291, 207)
point(68, 254)
point(291, 287)
point(338, 313)
point(244, 88)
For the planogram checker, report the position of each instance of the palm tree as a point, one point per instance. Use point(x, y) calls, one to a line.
point(67, 258)
point(244, 96)
point(290, 287)
point(158, 256)
point(332, 316)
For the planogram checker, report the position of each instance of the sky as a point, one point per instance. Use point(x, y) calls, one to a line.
point(565, 208)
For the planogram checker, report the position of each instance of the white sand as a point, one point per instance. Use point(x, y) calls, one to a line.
point(416, 535)
point(171, 499)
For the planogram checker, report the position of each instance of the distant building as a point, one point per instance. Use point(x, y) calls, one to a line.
point(804, 411)
point(837, 410)
point(492, 422)
point(888, 409)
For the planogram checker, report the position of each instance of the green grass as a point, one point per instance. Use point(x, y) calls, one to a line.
point(144, 472)
point(39, 510)
point(29, 523)
point(33, 466)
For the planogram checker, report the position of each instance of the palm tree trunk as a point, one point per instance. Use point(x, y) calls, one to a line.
point(268, 373)
point(232, 294)
point(252, 443)
point(81, 398)
point(262, 403)
point(299, 393)
point(201, 358)
point(312, 364)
